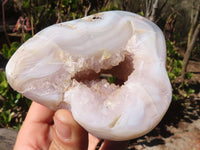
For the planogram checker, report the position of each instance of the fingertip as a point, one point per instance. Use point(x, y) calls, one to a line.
point(68, 134)
point(64, 116)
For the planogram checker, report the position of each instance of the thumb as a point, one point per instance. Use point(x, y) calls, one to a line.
point(67, 133)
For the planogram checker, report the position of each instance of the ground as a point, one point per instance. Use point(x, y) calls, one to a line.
point(180, 127)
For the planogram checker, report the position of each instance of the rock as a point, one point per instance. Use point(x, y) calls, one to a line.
point(7, 138)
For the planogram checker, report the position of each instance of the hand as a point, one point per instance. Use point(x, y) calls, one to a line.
point(45, 129)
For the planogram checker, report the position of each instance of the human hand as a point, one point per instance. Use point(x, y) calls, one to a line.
point(45, 129)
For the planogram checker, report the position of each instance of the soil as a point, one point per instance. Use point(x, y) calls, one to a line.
point(180, 127)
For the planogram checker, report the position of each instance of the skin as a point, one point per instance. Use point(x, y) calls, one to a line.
point(45, 129)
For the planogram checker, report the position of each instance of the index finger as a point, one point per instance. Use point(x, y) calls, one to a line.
point(39, 114)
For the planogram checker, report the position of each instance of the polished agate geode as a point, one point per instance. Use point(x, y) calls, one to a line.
point(67, 65)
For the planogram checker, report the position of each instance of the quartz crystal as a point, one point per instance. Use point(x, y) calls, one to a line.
point(68, 65)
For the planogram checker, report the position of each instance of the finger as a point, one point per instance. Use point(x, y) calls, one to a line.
point(68, 134)
point(93, 141)
point(35, 131)
point(39, 114)
point(115, 145)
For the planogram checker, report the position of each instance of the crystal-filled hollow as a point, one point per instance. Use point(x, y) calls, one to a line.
point(108, 69)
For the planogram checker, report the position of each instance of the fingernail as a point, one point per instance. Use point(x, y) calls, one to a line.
point(63, 131)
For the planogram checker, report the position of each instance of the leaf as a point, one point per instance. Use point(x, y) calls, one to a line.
point(11, 52)
point(26, 3)
point(179, 63)
point(26, 37)
point(176, 71)
point(191, 91)
point(171, 76)
point(18, 96)
point(6, 115)
point(141, 13)
point(188, 75)
point(8, 52)
point(15, 45)
point(174, 97)
point(5, 50)
point(111, 79)
point(9, 116)
point(2, 76)
point(3, 83)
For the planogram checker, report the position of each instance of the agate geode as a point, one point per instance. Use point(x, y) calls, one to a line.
point(66, 65)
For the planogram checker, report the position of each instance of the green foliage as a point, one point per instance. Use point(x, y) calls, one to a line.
point(174, 62)
point(174, 68)
point(141, 13)
point(174, 97)
point(188, 75)
point(5, 117)
point(190, 91)
point(8, 52)
point(13, 105)
point(111, 79)
point(26, 37)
